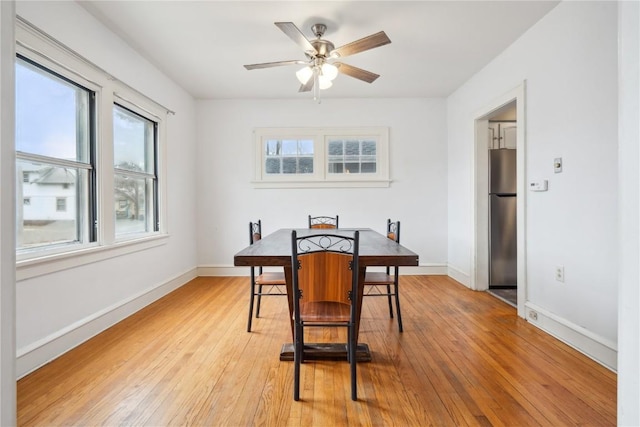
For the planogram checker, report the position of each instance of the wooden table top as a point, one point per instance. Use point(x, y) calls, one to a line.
point(375, 249)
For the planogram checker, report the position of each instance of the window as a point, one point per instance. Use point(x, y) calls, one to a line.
point(135, 180)
point(54, 145)
point(89, 151)
point(316, 157)
point(61, 204)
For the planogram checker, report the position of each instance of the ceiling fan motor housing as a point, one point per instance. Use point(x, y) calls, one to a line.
point(323, 47)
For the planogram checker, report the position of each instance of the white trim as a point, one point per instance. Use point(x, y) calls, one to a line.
point(39, 353)
point(479, 187)
point(322, 184)
point(47, 264)
point(586, 342)
point(81, 64)
point(321, 178)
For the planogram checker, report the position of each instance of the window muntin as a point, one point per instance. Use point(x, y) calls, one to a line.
point(135, 177)
point(54, 128)
point(321, 157)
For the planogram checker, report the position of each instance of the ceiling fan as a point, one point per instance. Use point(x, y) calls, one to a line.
point(319, 72)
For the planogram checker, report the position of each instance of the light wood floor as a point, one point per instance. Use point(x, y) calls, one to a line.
point(464, 358)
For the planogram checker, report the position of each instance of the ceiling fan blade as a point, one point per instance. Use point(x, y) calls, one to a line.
point(273, 64)
point(307, 86)
point(369, 42)
point(294, 33)
point(356, 72)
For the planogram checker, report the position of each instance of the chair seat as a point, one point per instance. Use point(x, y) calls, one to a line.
point(325, 311)
point(378, 278)
point(275, 278)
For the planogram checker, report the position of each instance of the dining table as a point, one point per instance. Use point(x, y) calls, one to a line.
point(375, 250)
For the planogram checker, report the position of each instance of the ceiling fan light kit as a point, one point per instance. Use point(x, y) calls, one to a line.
point(318, 74)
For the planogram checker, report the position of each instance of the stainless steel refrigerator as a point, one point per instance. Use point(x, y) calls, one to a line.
point(502, 219)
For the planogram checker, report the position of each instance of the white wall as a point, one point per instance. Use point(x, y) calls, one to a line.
point(629, 233)
point(569, 62)
point(227, 201)
point(57, 311)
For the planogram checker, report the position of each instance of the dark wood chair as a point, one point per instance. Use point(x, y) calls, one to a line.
point(262, 283)
point(323, 221)
point(325, 292)
point(386, 283)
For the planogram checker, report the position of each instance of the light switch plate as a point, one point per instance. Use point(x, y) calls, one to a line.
point(557, 164)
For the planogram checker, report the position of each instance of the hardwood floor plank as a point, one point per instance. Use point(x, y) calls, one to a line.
point(464, 359)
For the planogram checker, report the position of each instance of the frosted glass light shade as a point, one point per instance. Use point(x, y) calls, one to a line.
point(304, 74)
point(324, 82)
point(329, 71)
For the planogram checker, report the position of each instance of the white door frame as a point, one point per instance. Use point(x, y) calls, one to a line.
point(480, 189)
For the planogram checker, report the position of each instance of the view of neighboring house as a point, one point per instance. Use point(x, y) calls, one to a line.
point(49, 204)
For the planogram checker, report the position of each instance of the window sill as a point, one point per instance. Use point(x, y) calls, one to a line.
point(34, 267)
point(322, 184)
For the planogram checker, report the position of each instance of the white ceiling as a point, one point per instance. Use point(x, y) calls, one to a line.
point(202, 45)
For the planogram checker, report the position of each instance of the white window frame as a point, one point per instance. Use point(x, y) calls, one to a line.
point(44, 50)
point(320, 177)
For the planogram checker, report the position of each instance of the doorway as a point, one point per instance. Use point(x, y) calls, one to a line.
point(499, 257)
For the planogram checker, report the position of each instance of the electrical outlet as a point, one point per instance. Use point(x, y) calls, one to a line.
point(560, 273)
point(533, 315)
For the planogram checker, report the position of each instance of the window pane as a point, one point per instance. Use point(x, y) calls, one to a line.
point(49, 213)
point(273, 148)
point(368, 168)
point(133, 199)
point(352, 167)
point(305, 147)
point(305, 165)
point(52, 114)
point(289, 148)
point(336, 167)
point(272, 165)
point(352, 148)
point(133, 138)
point(335, 148)
point(368, 148)
point(289, 165)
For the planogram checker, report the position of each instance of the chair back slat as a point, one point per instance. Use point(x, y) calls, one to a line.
point(325, 276)
point(323, 222)
point(393, 230)
point(255, 231)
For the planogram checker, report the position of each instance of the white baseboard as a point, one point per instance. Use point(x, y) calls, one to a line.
point(39, 353)
point(216, 270)
point(458, 275)
point(596, 347)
